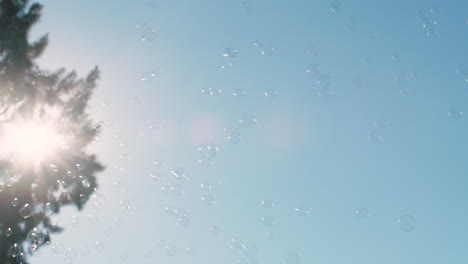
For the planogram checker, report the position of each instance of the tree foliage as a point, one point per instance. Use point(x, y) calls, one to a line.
point(58, 97)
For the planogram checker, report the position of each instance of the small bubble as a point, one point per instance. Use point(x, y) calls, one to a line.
point(248, 120)
point(26, 211)
point(179, 173)
point(15, 251)
point(301, 210)
point(336, 6)
point(214, 229)
point(148, 34)
point(232, 135)
point(206, 187)
point(208, 200)
point(455, 114)
point(14, 202)
point(212, 91)
point(407, 223)
point(267, 204)
point(271, 92)
point(362, 213)
point(314, 70)
point(230, 53)
point(239, 92)
point(268, 220)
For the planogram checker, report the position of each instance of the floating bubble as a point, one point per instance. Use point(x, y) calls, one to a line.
point(170, 250)
point(314, 70)
point(212, 91)
point(176, 190)
point(159, 164)
point(36, 238)
point(208, 150)
point(157, 177)
point(381, 123)
point(26, 211)
point(230, 53)
point(108, 230)
point(184, 221)
point(206, 187)
point(15, 202)
point(269, 235)
point(205, 161)
point(336, 6)
point(267, 204)
point(268, 220)
point(149, 76)
point(8, 231)
point(455, 114)
point(15, 251)
point(85, 182)
point(271, 92)
point(248, 120)
point(179, 173)
point(75, 221)
point(214, 229)
point(246, 6)
point(208, 200)
point(226, 66)
point(324, 81)
point(232, 135)
point(264, 49)
point(148, 34)
point(301, 210)
point(239, 92)
point(463, 73)
point(362, 213)
point(407, 223)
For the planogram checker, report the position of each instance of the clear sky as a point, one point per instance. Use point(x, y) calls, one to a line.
point(379, 133)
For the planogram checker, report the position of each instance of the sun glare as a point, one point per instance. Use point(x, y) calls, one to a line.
point(29, 141)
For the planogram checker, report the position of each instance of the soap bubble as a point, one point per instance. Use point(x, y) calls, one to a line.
point(239, 92)
point(148, 34)
point(407, 223)
point(230, 53)
point(15, 251)
point(336, 6)
point(232, 135)
point(214, 229)
point(248, 120)
point(179, 173)
point(314, 70)
point(455, 114)
point(208, 150)
point(362, 213)
point(205, 161)
point(212, 91)
point(267, 204)
point(26, 211)
point(268, 220)
point(208, 200)
point(301, 210)
point(271, 92)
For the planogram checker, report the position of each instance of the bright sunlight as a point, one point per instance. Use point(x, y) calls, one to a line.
point(29, 142)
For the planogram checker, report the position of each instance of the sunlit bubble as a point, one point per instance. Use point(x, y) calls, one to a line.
point(271, 92)
point(208, 150)
point(148, 34)
point(362, 213)
point(205, 161)
point(26, 211)
point(407, 223)
point(239, 92)
point(301, 210)
point(179, 173)
point(35, 238)
point(212, 91)
point(99, 247)
point(226, 66)
point(159, 163)
point(15, 250)
point(108, 230)
point(157, 177)
point(208, 200)
point(232, 135)
point(268, 220)
point(455, 114)
point(206, 187)
point(184, 221)
point(149, 76)
point(8, 231)
point(176, 190)
point(214, 229)
point(324, 81)
point(314, 70)
point(267, 204)
point(248, 120)
point(230, 53)
point(15, 202)
point(170, 250)
point(336, 6)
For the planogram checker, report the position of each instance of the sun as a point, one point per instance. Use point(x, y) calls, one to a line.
point(28, 141)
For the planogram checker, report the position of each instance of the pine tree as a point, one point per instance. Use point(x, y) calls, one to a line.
point(31, 193)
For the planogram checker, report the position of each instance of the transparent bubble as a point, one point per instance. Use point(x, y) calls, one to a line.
point(407, 223)
point(226, 66)
point(429, 21)
point(157, 177)
point(75, 221)
point(159, 163)
point(99, 247)
point(301, 210)
point(53, 167)
point(239, 92)
point(236, 243)
point(208, 200)
point(268, 220)
point(205, 161)
point(212, 91)
point(8, 231)
point(149, 76)
point(230, 53)
point(246, 6)
point(141, 23)
point(108, 230)
point(362, 213)
point(184, 221)
point(176, 190)
point(93, 219)
point(57, 249)
point(267, 204)
point(324, 81)
point(206, 187)
point(232, 135)
point(455, 114)
point(271, 92)
point(148, 254)
point(117, 222)
point(83, 198)
point(214, 229)
point(148, 34)
point(170, 250)
point(26, 211)
point(314, 70)
point(265, 50)
point(336, 6)
point(15, 250)
point(36, 238)
point(292, 258)
point(15, 202)
point(85, 182)
point(208, 150)
point(381, 123)
point(463, 73)
point(179, 173)
point(313, 51)
point(248, 120)
point(375, 137)
point(126, 206)
point(156, 125)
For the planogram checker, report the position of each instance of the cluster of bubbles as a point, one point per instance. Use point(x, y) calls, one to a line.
point(207, 153)
point(264, 48)
point(379, 126)
point(322, 80)
point(245, 252)
point(429, 21)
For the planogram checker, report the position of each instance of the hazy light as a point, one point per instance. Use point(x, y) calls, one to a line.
point(29, 142)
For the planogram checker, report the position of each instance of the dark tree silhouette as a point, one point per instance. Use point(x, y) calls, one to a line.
point(31, 193)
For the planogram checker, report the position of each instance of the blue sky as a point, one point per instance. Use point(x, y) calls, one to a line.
point(304, 150)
